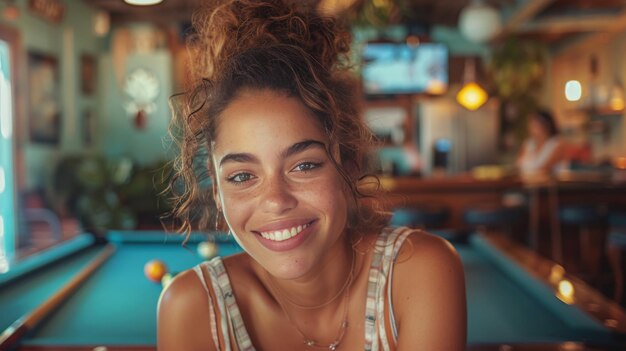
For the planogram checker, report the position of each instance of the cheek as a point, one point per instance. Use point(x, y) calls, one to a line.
point(236, 208)
point(331, 197)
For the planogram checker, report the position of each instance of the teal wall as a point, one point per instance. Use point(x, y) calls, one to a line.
point(118, 137)
point(67, 41)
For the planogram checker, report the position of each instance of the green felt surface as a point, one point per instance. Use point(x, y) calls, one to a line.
point(117, 305)
point(22, 295)
point(501, 310)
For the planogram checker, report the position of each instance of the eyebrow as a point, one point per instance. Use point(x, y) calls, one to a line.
point(290, 151)
point(301, 146)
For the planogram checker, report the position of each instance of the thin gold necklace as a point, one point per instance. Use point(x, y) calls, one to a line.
point(344, 321)
point(327, 302)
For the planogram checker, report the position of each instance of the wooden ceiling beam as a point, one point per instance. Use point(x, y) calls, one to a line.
point(569, 24)
point(521, 15)
point(525, 13)
point(591, 41)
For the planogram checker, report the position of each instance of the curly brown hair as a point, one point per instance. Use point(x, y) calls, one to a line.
point(248, 44)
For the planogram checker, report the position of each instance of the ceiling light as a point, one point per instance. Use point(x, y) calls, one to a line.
point(573, 90)
point(471, 96)
point(143, 2)
point(479, 22)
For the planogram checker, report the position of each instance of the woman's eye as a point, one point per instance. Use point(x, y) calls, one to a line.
point(240, 177)
point(306, 166)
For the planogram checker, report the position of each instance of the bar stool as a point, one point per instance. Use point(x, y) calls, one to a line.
point(588, 221)
point(493, 218)
point(616, 245)
point(424, 216)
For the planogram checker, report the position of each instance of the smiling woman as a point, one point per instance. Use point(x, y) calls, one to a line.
point(274, 113)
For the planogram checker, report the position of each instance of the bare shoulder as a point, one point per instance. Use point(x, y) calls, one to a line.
point(183, 315)
point(421, 248)
point(428, 294)
point(424, 257)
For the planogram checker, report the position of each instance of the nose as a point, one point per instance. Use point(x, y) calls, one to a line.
point(277, 196)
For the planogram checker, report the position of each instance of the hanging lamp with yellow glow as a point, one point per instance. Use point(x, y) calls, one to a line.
point(471, 96)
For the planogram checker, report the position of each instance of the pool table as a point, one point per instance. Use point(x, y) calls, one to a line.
point(509, 306)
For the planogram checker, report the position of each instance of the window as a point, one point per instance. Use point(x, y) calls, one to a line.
point(7, 196)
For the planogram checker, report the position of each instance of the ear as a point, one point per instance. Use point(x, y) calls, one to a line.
point(214, 188)
point(216, 193)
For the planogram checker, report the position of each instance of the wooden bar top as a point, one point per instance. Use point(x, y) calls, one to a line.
point(468, 182)
point(459, 182)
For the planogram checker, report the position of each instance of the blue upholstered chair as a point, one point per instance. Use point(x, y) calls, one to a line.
point(616, 246)
point(425, 217)
point(588, 221)
point(494, 218)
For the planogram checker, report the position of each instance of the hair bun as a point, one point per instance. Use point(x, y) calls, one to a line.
point(227, 29)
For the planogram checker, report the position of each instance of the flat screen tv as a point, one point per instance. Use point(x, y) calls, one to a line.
point(391, 68)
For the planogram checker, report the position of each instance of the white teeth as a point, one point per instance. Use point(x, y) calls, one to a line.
point(281, 235)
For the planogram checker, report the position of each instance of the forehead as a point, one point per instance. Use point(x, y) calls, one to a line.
point(264, 119)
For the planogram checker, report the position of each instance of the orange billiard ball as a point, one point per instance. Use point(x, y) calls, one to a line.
point(155, 270)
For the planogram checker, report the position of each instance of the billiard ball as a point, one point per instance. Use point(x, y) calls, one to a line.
point(207, 249)
point(166, 280)
point(155, 270)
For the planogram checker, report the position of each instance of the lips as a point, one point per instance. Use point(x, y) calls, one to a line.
point(284, 235)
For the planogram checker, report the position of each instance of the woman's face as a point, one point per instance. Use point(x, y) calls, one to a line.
point(281, 196)
point(536, 129)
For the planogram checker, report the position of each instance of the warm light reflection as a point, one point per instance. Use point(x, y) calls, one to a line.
point(573, 90)
point(617, 104)
point(101, 23)
point(472, 96)
point(556, 274)
point(436, 87)
point(616, 100)
point(566, 291)
point(571, 346)
point(619, 162)
point(11, 12)
point(412, 40)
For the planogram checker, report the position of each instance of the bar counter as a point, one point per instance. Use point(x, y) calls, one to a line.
point(541, 197)
point(456, 193)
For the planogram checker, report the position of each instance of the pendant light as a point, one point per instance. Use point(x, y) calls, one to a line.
point(143, 2)
point(479, 22)
point(471, 96)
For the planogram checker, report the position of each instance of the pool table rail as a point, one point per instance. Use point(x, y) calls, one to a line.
point(550, 280)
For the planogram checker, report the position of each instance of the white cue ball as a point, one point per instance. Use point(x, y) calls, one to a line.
point(207, 249)
point(166, 280)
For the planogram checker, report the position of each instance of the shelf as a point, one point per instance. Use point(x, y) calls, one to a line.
point(599, 111)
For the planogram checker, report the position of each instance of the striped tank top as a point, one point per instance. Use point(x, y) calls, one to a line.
point(386, 250)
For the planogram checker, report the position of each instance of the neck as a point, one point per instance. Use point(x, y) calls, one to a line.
point(321, 287)
point(539, 140)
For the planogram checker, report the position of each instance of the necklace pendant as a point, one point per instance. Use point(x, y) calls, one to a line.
point(333, 346)
point(309, 342)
